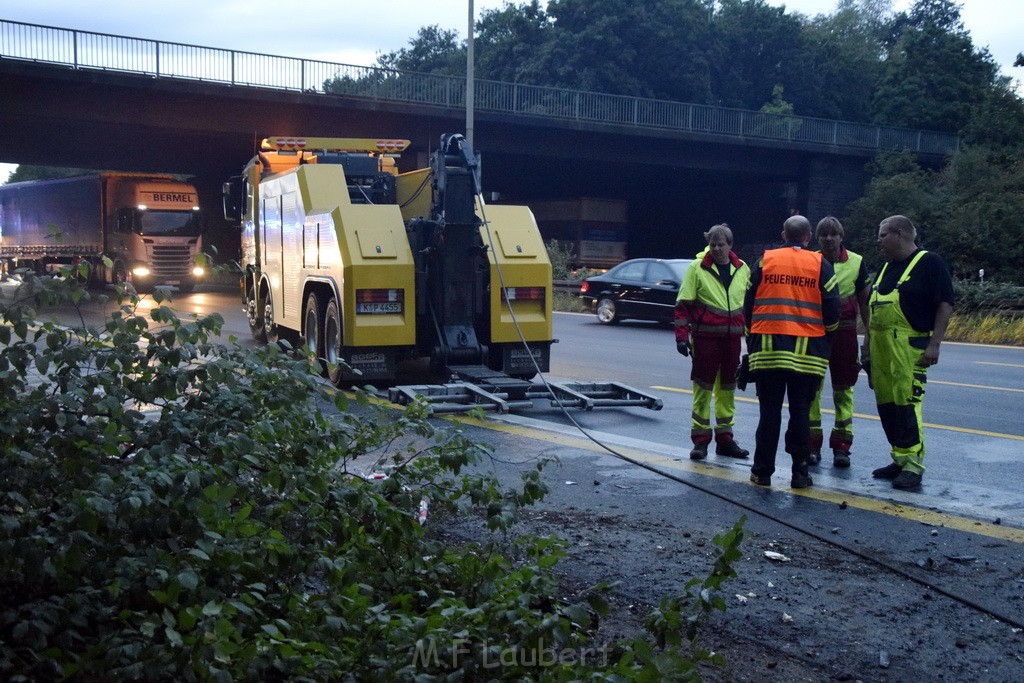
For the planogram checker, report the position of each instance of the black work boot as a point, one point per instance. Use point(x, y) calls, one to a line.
point(840, 457)
point(801, 478)
point(699, 451)
point(731, 449)
point(890, 471)
point(907, 480)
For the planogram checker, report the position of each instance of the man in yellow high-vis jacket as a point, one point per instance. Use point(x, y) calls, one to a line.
point(709, 327)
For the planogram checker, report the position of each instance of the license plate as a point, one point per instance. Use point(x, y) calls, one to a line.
point(377, 308)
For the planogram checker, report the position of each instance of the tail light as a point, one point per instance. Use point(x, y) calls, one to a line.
point(523, 293)
point(584, 287)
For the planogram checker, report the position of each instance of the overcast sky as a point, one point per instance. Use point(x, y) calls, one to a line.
point(355, 31)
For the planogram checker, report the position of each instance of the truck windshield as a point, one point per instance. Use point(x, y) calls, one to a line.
point(184, 223)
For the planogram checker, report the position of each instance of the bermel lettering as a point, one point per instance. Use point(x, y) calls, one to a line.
point(172, 197)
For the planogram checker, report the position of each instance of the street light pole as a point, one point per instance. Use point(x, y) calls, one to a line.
point(470, 95)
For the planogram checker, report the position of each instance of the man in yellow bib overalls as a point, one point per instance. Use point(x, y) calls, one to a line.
point(910, 304)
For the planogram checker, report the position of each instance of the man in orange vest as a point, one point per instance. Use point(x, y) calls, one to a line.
point(791, 309)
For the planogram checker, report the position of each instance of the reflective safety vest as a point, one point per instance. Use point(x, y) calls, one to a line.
point(788, 299)
point(846, 277)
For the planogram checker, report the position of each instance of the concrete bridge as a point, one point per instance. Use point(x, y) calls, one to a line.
point(78, 98)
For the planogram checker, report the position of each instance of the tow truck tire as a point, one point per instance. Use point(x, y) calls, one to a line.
point(252, 314)
point(267, 311)
point(332, 343)
point(606, 312)
point(312, 327)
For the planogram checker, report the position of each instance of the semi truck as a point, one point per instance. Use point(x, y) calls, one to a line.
point(147, 225)
point(595, 231)
point(368, 268)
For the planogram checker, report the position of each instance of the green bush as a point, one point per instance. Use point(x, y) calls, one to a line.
point(993, 297)
point(176, 509)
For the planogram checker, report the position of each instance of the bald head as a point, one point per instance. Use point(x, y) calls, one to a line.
point(797, 229)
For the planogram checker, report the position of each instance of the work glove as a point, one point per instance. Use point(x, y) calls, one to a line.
point(683, 348)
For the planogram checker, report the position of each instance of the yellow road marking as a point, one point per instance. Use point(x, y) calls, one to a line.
point(864, 416)
point(908, 512)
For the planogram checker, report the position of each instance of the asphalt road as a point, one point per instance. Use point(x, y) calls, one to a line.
point(973, 412)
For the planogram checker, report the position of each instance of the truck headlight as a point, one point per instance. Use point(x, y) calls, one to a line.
point(140, 271)
point(198, 271)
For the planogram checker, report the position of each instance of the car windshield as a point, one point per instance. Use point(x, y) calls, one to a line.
point(679, 267)
point(184, 223)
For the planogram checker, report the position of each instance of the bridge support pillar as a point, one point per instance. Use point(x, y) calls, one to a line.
point(832, 184)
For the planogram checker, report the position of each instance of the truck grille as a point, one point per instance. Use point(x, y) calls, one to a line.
point(171, 261)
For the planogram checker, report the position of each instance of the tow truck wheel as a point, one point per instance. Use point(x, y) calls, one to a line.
point(312, 325)
point(606, 313)
point(332, 343)
point(267, 309)
point(252, 313)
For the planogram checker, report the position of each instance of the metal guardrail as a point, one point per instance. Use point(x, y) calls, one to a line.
point(88, 50)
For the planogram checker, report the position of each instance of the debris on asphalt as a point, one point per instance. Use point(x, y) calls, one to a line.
point(775, 557)
point(926, 563)
point(843, 506)
point(786, 619)
point(570, 483)
point(961, 558)
point(835, 530)
point(883, 659)
point(935, 532)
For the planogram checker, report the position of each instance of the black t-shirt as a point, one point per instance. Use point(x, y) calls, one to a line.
point(724, 274)
point(929, 285)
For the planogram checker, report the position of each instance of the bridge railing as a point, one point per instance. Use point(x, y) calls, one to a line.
point(88, 50)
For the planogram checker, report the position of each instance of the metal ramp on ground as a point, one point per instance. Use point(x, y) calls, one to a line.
point(479, 387)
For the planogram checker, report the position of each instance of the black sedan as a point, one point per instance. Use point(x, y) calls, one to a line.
point(640, 289)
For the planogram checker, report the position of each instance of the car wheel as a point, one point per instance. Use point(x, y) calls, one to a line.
point(606, 312)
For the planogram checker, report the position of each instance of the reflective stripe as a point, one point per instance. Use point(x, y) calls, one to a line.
point(797, 303)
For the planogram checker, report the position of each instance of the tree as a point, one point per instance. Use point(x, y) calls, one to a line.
point(508, 42)
point(980, 227)
point(755, 47)
point(434, 50)
point(627, 48)
point(898, 185)
point(25, 172)
point(932, 77)
point(845, 51)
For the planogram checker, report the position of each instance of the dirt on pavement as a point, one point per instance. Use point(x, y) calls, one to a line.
point(820, 614)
